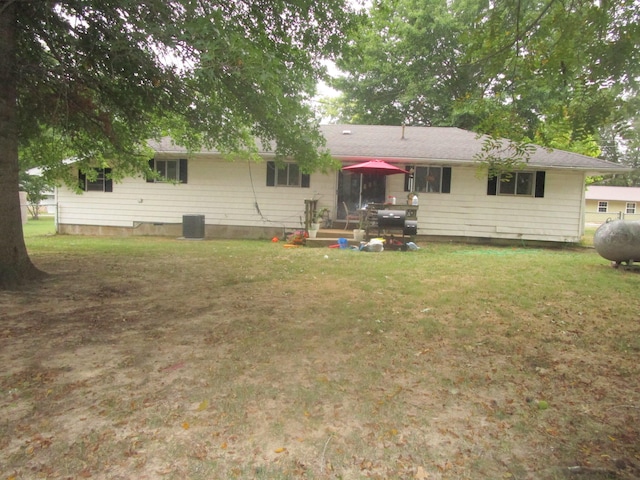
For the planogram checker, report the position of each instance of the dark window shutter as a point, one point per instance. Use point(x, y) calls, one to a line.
point(82, 180)
point(183, 170)
point(306, 180)
point(271, 174)
point(540, 177)
point(446, 179)
point(152, 166)
point(492, 185)
point(108, 181)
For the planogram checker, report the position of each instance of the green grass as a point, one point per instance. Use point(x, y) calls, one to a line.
point(587, 238)
point(359, 364)
point(44, 225)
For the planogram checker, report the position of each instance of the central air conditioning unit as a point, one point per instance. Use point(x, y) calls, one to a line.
point(193, 226)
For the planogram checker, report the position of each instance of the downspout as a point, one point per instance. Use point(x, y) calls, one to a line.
point(583, 202)
point(57, 212)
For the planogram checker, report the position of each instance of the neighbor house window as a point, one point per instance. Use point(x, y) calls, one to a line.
point(428, 179)
point(286, 175)
point(603, 207)
point(172, 170)
point(526, 184)
point(96, 180)
point(631, 208)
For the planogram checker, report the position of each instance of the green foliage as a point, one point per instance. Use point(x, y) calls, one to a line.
point(94, 80)
point(502, 157)
point(36, 187)
point(106, 76)
point(403, 65)
point(621, 143)
point(551, 72)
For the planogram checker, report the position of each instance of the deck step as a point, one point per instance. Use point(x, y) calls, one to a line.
point(327, 237)
point(328, 241)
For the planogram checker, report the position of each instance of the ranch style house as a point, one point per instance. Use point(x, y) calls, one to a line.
point(246, 199)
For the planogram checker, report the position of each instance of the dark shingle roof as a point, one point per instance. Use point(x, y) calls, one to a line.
point(439, 145)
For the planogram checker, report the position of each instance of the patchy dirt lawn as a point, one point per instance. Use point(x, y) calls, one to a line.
point(274, 364)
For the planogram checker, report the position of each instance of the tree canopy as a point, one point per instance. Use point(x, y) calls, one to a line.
point(546, 71)
point(95, 79)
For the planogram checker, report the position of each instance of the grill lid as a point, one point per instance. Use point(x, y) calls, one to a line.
point(391, 218)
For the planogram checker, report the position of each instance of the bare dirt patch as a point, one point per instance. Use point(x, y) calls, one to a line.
point(214, 366)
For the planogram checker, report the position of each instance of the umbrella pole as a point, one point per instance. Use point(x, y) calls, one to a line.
point(360, 194)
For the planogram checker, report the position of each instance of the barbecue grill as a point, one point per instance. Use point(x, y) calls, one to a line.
point(396, 220)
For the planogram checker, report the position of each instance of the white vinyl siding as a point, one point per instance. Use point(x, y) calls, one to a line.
point(227, 193)
point(469, 212)
point(236, 194)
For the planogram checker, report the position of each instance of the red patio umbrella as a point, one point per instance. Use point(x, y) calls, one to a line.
point(373, 167)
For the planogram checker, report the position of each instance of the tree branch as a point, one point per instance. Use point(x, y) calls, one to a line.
point(519, 35)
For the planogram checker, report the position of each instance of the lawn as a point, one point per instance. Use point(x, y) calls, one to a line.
point(162, 358)
point(44, 225)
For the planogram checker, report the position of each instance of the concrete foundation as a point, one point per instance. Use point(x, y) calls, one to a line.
point(174, 230)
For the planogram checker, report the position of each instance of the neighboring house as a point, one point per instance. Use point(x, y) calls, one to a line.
point(48, 203)
point(544, 202)
point(24, 211)
point(604, 203)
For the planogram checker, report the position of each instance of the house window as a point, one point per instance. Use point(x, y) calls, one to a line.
point(96, 180)
point(631, 208)
point(518, 183)
point(287, 175)
point(603, 207)
point(526, 184)
point(428, 179)
point(169, 170)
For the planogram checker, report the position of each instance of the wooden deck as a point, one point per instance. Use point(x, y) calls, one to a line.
point(330, 236)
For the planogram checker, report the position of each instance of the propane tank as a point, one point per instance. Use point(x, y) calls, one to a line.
point(618, 241)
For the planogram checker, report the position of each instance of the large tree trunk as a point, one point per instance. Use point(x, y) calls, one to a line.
point(15, 266)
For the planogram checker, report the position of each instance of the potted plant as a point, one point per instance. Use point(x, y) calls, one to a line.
point(315, 221)
point(360, 232)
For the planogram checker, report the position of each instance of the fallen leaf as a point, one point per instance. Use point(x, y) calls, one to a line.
point(173, 367)
point(203, 405)
point(280, 450)
point(421, 474)
point(185, 425)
